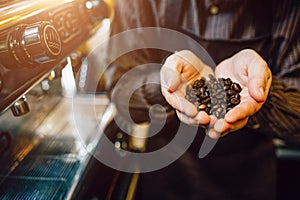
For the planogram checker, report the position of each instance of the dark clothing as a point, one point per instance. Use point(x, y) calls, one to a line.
point(242, 164)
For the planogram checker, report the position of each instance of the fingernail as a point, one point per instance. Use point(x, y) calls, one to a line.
point(167, 83)
point(213, 134)
point(170, 88)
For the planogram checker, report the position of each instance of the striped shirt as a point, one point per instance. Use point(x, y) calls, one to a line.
point(237, 20)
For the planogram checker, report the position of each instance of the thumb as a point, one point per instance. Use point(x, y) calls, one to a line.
point(259, 80)
point(258, 72)
point(257, 89)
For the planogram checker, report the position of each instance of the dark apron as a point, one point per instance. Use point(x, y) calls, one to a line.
point(220, 49)
point(241, 165)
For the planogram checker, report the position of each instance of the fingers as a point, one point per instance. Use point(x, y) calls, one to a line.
point(211, 132)
point(223, 69)
point(254, 69)
point(245, 109)
point(178, 102)
point(175, 71)
point(250, 70)
point(221, 127)
point(259, 78)
point(170, 75)
point(259, 85)
point(201, 119)
point(183, 66)
point(190, 58)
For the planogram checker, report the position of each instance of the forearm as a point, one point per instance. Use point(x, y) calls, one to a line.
point(280, 115)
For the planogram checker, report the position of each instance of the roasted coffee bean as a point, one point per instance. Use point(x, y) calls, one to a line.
point(226, 87)
point(223, 106)
point(227, 81)
point(214, 100)
point(230, 92)
point(220, 110)
point(207, 100)
point(202, 96)
point(236, 87)
point(202, 90)
point(202, 107)
point(234, 101)
point(215, 96)
point(220, 96)
point(217, 114)
point(215, 107)
point(219, 91)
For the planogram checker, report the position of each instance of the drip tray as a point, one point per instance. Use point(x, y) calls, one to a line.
point(28, 188)
point(48, 167)
point(47, 172)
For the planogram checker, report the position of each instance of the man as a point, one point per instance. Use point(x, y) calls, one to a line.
point(242, 165)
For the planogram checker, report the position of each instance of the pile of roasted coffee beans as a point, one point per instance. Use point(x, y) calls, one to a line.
point(215, 96)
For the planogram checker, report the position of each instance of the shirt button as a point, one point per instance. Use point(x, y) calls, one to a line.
point(256, 126)
point(213, 9)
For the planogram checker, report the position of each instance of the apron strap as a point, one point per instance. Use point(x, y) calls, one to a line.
point(175, 12)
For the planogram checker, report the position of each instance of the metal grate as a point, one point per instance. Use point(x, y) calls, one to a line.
point(59, 167)
point(16, 188)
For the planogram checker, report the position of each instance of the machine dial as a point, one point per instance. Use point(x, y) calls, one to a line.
point(33, 44)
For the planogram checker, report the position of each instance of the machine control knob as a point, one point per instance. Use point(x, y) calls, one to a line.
point(96, 10)
point(20, 107)
point(41, 42)
point(33, 44)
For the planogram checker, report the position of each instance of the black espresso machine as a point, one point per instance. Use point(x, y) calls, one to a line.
point(40, 156)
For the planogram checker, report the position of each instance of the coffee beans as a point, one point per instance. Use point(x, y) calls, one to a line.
point(214, 96)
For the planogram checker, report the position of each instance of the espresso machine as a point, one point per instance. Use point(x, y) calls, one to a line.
point(43, 44)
